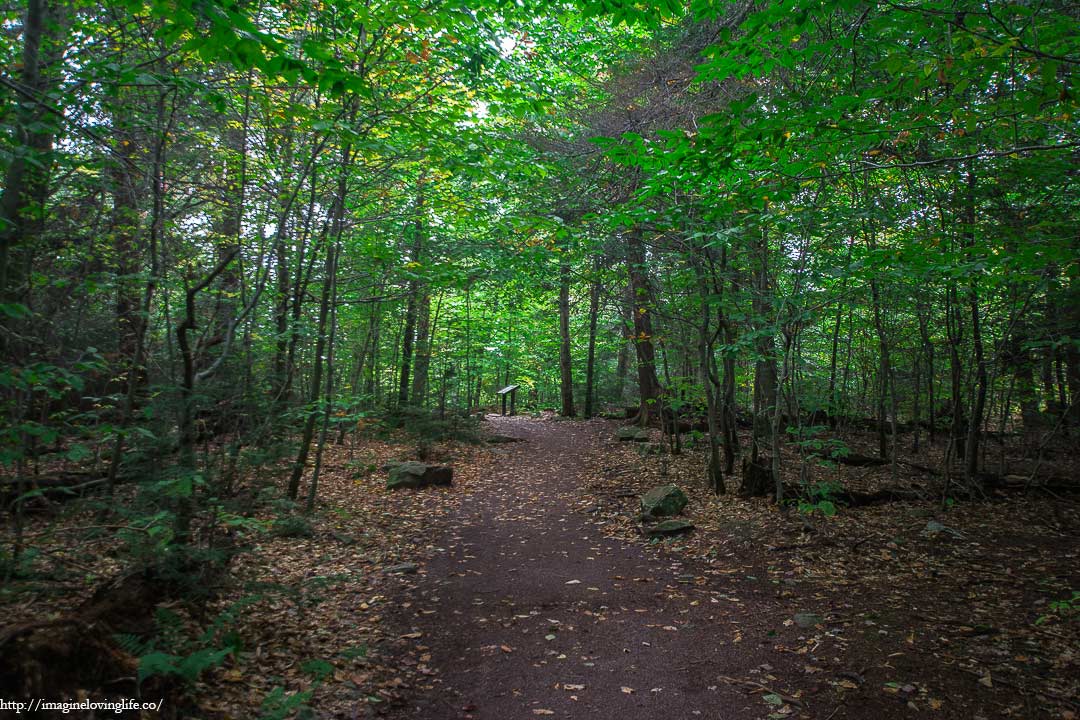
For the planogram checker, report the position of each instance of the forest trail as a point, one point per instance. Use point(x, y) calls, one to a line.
point(531, 611)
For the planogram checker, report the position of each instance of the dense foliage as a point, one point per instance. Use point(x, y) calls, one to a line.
point(231, 231)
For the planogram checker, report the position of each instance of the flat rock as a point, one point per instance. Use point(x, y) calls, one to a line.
point(402, 569)
point(807, 620)
point(668, 527)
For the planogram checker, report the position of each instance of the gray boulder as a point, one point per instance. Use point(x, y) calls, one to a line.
point(663, 501)
point(417, 474)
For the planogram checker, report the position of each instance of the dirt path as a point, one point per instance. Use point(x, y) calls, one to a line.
point(530, 611)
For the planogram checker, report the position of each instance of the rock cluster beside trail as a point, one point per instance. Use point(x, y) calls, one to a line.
point(660, 502)
point(413, 474)
point(632, 433)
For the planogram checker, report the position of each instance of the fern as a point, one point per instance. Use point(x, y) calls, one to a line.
point(279, 706)
point(133, 644)
point(187, 668)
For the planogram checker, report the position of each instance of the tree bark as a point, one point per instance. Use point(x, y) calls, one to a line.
point(308, 434)
point(187, 398)
point(590, 362)
point(566, 379)
point(641, 297)
point(26, 183)
point(337, 226)
point(408, 334)
point(714, 469)
point(978, 405)
point(765, 373)
point(422, 351)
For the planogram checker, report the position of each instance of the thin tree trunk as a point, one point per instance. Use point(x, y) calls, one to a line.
point(714, 469)
point(408, 335)
point(337, 226)
point(622, 366)
point(566, 379)
point(765, 375)
point(316, 375)
point(884, 369)
point(641, 297)
point(328, 397)
point(928, 352)
point(590, 362)
point(187, 399)
point(971, 459)
point(136, 372)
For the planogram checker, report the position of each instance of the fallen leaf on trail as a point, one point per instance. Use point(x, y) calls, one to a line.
point(627, 690)
point(412, 635)
point(543, 711)
point(573, 582)
point(568, 686)
point(986, 681)
point(506, 648)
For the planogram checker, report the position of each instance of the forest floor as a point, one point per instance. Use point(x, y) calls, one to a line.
point(527, 590)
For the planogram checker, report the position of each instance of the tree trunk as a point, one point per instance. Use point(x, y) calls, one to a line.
point(928, 353)
point(954, 323)
point(26, 183)
point(408, 335)
point(974, 435)
point(136, 373)
point(714, 469)
point(884, 369)
point(590, 363)
point(566, 379)
point(328, 396)
point(316, 375)
point(765, 374)
point(422, 350)
point(622, 365)
point(337, 226)
point(641, 295)
point(186, 424)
